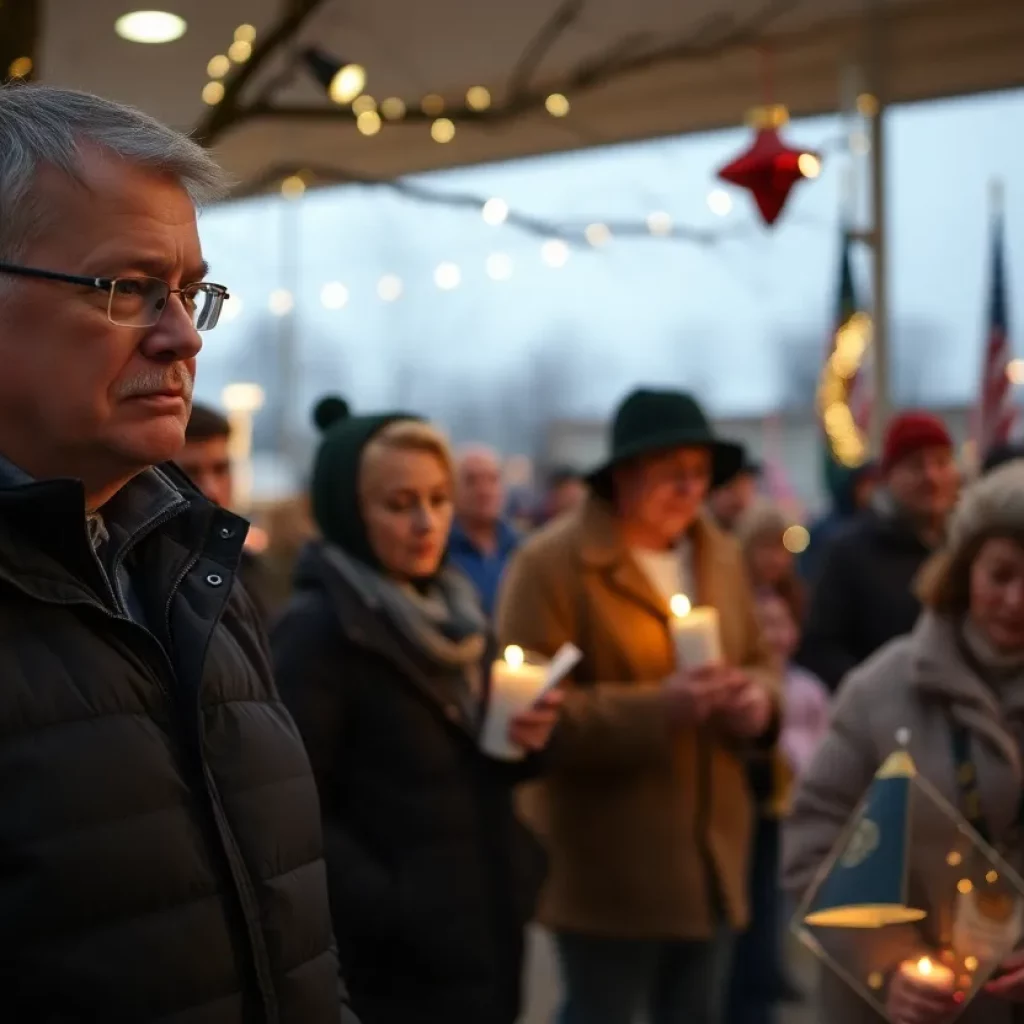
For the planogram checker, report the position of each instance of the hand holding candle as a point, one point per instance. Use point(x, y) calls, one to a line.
point(921, 992)
point(521, 710)
point(695, 633)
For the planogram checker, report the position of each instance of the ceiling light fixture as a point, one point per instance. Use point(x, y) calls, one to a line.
point(150, 27)
point(341, 80)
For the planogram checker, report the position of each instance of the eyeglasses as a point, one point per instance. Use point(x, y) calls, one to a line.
point(141, 301)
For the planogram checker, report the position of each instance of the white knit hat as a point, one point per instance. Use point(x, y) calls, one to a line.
point(994, 504)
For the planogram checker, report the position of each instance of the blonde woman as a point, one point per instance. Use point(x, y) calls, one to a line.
point(957, 684)
point(382, 658)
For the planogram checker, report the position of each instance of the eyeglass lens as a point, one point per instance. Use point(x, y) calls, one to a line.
point(140, 302)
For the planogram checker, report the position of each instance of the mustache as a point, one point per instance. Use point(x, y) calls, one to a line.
point(174, 377)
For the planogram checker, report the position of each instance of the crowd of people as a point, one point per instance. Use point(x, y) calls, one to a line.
point(232, 792)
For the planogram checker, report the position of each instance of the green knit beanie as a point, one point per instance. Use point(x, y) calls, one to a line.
point(334, 490)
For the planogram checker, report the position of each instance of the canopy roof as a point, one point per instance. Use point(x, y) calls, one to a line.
point(630, 70)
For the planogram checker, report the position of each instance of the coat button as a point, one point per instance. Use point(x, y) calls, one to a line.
point(214, 580)
point(226, 532)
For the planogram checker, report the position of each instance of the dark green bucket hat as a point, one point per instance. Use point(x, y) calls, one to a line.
point(650, 421)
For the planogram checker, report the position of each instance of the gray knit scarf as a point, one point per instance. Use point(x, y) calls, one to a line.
point(444, 622)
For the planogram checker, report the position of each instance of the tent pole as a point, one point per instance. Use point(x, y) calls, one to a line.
point(876, 74)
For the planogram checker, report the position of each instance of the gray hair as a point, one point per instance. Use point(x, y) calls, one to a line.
point(44, 126)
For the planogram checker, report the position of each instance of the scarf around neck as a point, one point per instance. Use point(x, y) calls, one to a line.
point(443, 622)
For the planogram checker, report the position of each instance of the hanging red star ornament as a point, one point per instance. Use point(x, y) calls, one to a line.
point(770, 168)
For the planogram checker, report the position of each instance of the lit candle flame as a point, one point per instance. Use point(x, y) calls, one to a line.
point(514, 656)
point(680, 605)
point(925, 966)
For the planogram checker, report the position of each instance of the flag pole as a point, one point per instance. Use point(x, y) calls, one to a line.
point(875, 31)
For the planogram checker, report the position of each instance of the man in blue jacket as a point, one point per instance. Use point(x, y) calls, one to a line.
point(482, 541)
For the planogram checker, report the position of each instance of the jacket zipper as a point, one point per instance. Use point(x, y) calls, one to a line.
point(240, 873)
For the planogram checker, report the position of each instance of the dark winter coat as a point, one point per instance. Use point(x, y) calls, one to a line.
point(432, 877)
point(160, 848)
point(863, 596)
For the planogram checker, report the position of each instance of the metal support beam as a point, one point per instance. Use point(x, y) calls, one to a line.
point(876, 68)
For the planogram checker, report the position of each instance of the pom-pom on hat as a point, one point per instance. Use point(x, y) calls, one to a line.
point(334, 490)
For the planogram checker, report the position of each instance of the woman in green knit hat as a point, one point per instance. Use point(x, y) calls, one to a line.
point(382, 657)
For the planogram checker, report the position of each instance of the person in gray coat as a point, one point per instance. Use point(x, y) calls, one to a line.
point(956, 686)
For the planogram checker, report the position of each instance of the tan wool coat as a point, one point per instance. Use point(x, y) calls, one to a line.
point(920, 683)
point(648, 827)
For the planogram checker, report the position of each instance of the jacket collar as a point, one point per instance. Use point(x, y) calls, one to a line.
point(940, 669)
point(602, 549)
point(45, 546)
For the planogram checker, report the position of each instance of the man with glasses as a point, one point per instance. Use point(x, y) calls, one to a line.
point(160, 847)
point(646, 808)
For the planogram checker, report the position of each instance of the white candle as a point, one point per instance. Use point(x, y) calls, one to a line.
point(695, 633)
point(515, 685)
point(929, 972)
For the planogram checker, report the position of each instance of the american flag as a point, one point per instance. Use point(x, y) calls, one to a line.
point(995, 414)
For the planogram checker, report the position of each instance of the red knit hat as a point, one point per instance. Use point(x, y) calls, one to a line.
point(909, 432)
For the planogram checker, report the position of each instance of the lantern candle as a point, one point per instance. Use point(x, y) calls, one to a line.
point(930, 973)
point(695, 633)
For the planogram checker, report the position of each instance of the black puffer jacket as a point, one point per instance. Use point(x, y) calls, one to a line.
point(432, 878)
point(160, 845)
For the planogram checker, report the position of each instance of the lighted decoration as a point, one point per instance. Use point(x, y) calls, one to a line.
point(911, 888)
point(847, 438)
point(847, 376)
point(770, 168)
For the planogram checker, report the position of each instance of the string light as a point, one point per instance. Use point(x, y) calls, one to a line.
point(495, 212)
point(364, 103)
point(659, 223)
point(845, 438)
point(219, 66)
point(499, 266)
point(368, 122)
point(1015, 371)
point(389, 288)
point(393, 108)
point(719, 202)
point(213, 93)
point(447, 276)
point(21, 67)
point(557, 105)
point(347, 84)
point(293, 186)
point(555, 253)
point(478, 98)
point(867, 104)
point(442, 130)
point(432, 105)
point(240, 51)
point(334, 295)
point(245, 34)
point(282, 302)
point(597, 234)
